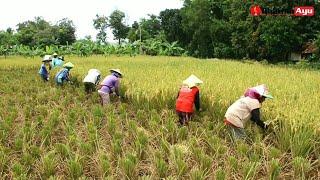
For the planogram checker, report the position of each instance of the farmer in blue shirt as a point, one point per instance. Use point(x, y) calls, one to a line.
point(44, 73)
point(64, 74)
point(57, 61)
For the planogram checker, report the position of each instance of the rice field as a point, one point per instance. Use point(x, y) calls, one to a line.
point(48, 132)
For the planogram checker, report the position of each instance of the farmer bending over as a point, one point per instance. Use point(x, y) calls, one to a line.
point(245, 108)
point(110, 85)
point(91, 80)
point(64, 74)
point(187, 96)
point(57, 61)
point(44, 73)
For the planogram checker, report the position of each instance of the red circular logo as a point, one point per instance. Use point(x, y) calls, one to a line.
point(255, 10)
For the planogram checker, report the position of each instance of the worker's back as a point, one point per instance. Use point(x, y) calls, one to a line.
point(240, 111)
point(186, 99)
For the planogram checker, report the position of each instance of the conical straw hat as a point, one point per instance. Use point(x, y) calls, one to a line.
point(117, 71)
point(46, 58)
point(68, 65)
point(263, 91)
point(192, 81)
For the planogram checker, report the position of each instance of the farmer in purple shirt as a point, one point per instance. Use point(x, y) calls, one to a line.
point(110, 85)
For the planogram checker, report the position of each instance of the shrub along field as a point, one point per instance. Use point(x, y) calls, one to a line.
point(61, 133)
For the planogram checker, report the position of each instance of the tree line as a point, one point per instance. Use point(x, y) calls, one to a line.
point(201, 28)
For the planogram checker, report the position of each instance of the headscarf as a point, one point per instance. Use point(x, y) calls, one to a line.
point(257, 92)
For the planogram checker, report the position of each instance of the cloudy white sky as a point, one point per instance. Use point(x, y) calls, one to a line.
point(82, 12)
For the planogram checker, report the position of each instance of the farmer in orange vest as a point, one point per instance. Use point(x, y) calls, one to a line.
point(245, 108)
point(187, 97)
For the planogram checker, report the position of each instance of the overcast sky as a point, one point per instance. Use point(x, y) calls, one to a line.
point(82, 12)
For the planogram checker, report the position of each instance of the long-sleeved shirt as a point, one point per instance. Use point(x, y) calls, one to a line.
point(240, 111)
point(109, 83)
point(56, 62)
point(62, 75)
point(197, 101)
point(43, 70)
point(255, 117)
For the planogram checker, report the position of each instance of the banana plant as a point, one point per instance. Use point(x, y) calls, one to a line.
point(3, 51)
point(172, 49)
point(108, 50)
point(152, 46)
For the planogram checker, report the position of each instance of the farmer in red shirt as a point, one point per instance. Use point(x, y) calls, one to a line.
point(187, 97)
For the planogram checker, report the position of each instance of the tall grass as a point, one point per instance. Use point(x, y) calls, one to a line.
point(59, 133)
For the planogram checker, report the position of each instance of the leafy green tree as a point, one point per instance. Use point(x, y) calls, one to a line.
point(150, 27)
point(278, 38)
point(309, 26)
point(134, 32)
point(197, 21)
point(120, 30)
point(8, 38)
point(317, 43)
point(32, 32)
point(41, 33)
point(171, 24)
point(242, 27)
point(7, 41)
point(101, 24)
point(65, 31)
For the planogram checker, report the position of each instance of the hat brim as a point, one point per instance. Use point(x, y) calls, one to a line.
point(190, 84)
point(268, 96)
point(113, 71)
point(68, 67)
point(192, 81)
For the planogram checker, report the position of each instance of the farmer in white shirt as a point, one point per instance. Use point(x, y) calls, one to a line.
point(245, 108)
point(91, 80)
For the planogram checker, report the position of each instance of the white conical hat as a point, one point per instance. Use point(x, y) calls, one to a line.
point(192, 81)
point(263, 91)
point(116, 71)
point(46, 58)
